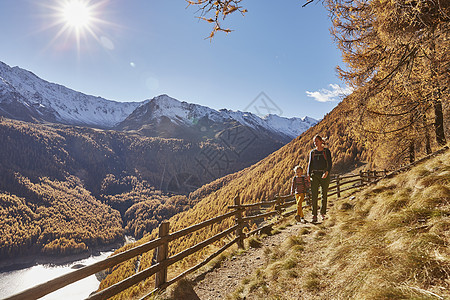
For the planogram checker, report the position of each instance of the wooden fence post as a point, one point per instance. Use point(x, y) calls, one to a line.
point(361, 177)
point(161, 255)
point(338, 187)
point(240, 238)
point(278, 204)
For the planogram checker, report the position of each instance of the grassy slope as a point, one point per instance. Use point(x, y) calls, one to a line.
point(390, 241)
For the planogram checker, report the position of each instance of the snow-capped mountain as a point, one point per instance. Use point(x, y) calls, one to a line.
point(292, 127)
point(164, 113)
point(25, 96)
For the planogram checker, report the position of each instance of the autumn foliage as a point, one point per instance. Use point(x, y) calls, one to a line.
point(55, 218)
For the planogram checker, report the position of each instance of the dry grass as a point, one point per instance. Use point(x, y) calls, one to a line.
point(390, 241)
point(217, 262)
point(253, 242)
point(182, 289)
point(312, 281)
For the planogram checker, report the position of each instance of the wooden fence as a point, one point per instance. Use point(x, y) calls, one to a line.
point(242, 214)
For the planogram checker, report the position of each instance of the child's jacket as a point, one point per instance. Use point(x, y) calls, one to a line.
point(300, 185)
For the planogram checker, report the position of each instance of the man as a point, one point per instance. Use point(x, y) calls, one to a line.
point(319, 168)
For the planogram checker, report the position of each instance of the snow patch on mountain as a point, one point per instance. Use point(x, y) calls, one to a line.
point(70, 107)
point(187, 114)
point(290, 126)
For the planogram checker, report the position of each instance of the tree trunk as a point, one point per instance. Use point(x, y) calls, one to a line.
point(439, 123)
point(427, 135)
point(437, 103)
point(412, 155)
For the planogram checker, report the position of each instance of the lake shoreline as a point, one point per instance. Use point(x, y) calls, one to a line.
point(22, 262)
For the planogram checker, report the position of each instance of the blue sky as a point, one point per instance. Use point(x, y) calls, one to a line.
point(279, 53)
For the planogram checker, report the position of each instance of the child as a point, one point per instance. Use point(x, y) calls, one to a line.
point(299, 187)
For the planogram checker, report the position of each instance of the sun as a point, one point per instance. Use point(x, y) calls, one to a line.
point(78, 23)
point(77, 14)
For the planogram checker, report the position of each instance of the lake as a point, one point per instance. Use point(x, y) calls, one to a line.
point(13, 282)
point(16, 281)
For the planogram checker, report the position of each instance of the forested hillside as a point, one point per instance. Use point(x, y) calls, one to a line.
point(54, 218)
point(396, 54)
point(54, 179)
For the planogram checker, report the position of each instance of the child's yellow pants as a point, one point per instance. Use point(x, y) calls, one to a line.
point(299, 198)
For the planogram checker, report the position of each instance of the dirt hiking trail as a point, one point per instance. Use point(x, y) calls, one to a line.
point(218, 282)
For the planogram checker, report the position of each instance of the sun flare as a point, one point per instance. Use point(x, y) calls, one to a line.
point(77, 14)
point(79, 24)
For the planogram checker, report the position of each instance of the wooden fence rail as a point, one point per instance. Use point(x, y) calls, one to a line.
point(276, 206)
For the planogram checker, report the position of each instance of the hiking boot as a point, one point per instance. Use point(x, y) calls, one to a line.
point(297, 218)
point(323, 217)
point(314, 219)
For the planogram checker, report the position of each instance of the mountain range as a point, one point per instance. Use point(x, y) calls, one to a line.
point(24, 96)
point(164, 116)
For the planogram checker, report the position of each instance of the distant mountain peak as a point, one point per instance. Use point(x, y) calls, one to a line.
point(180, 113)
